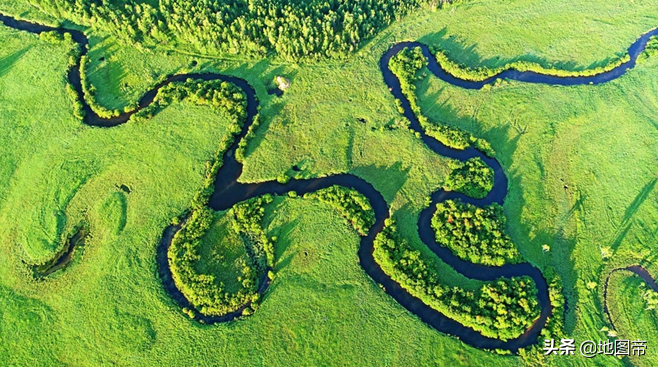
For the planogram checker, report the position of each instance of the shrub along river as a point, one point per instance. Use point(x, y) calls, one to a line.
point(228, 191)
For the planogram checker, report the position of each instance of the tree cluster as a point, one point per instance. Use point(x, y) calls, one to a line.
point(503, 309)
point(351, 204)
point(473, 178)
point(222, 96)
point(289, 28)
point(473, 233)
point(204, 291)
point(241, 151)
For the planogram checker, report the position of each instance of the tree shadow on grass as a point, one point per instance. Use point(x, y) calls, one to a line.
point(497, 134)
point(7, 62)
point(627, 222)
point(282, 232)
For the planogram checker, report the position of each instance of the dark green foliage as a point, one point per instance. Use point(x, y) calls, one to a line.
point(501, 309)
point(555, 324)
point(203, 291)
point(406, 65)
point(351, 204)
point(473, 178)
point(78, 110)
point(224, 97)
point(248, 217)
point(473, 233)
point(455, 137)
point(291, 29)
point(52, 37)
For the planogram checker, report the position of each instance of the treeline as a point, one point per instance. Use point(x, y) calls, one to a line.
point(502, 309)
point(203, 291)
point(289, 28)
point(473, 178)
point(473, 233)
point(351, 204)
point(482, 73)
point(241, 150)
point(405, 65)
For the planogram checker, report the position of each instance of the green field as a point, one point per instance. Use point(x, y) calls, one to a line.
point(630, 316)
point(581, 163)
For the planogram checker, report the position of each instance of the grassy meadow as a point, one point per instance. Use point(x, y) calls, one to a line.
point(581, 163)
point(629, 313)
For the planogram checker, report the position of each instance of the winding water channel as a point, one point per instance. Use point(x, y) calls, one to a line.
point(638, 270)
point(228, 191)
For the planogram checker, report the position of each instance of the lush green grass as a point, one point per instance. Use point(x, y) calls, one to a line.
point(599, 142)
point(632, 320)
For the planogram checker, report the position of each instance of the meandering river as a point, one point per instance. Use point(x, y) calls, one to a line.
point(228, 191)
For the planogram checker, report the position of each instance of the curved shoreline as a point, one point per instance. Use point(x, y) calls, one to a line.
point(228, 191)
point(638, 270)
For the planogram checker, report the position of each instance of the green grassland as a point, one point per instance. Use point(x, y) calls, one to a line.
point(581, 163)
point(628, 310)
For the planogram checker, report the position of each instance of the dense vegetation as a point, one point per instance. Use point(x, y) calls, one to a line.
point(351, 204)
point(207, 295)
point(248, 222)
point(288, 28)
point(473, 178)
point(89, 91)
point(501, 309)
point(203, 291)
point(406, 66)
point(222, 96)
point(476, 234)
